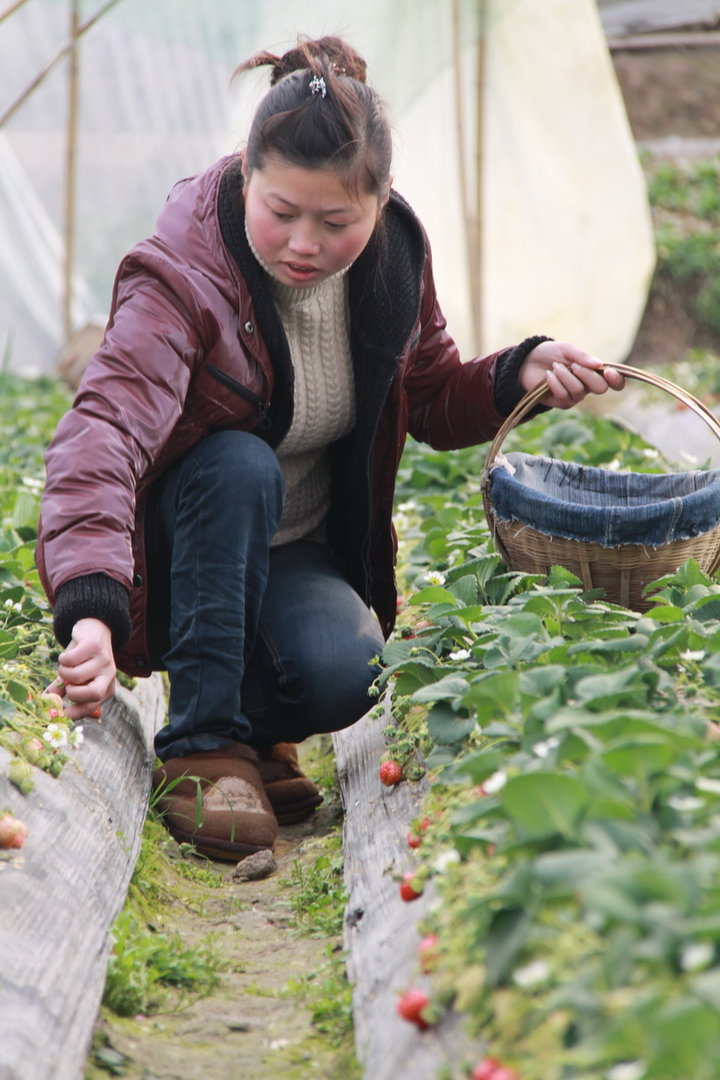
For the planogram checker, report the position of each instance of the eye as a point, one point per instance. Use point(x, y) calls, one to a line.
point(337, 225)
point(280, 216)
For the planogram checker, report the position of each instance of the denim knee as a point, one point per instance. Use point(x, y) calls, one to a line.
point(226, 463)
point(238, 454)
point(332, 692)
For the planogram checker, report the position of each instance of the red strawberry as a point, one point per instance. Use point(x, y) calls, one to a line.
point(414, 839)
point(428, 953)
point(12, 832)
point(390, 773)
point(411, 1006)
point(407, 888)
point(492, 1069)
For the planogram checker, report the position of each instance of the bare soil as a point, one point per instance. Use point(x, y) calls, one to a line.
point(253, 1027)
point(256, 1025)
point(672, 97)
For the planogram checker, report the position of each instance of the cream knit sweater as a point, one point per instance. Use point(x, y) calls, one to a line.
point(316, 322)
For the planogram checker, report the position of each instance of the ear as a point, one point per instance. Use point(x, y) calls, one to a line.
point(385, 194)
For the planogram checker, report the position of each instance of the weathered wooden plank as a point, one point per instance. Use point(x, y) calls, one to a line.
point(381, 931)
point(60, 894)
point(621, 17)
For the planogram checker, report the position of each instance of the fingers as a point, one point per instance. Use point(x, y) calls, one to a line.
point(84, 710)
point(87, 669)
point(87, 699)
point(57, 686)
point(569, 384)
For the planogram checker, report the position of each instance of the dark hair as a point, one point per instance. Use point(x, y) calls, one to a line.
point(341, 125)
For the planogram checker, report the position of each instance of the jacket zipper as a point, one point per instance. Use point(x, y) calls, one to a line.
point(242, 391)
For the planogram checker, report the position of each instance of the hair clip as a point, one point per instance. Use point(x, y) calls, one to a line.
point(317, 86)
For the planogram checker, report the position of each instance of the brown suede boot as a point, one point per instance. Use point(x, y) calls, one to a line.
point(292, 795)
point(216, 801)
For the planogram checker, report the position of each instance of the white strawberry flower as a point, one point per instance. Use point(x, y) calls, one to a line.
point(538, 971)
point(56, 736)
point(709, 784)
point(697, 957)
point(76, 737)
point(434, 577)
point(542, 749)
point(627, 1070)
point(446, 859)
point(495, 782)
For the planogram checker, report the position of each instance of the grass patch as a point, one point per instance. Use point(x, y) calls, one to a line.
point(685, 202)
point(144, 963)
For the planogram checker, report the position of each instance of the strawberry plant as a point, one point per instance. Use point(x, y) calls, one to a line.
point(33, 727)
point(576, 786)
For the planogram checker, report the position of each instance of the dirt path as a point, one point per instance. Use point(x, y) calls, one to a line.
point(255, 1025)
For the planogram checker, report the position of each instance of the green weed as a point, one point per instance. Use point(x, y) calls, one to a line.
point(317, 897)
point(143, 963)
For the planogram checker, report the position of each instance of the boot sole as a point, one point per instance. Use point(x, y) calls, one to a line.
point(226, 850)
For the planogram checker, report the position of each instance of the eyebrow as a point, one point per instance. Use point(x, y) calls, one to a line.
point(325, 213)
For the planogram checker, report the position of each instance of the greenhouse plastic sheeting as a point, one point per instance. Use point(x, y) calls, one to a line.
point(566, 238)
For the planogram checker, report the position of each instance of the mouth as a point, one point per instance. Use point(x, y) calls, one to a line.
point(300, 271)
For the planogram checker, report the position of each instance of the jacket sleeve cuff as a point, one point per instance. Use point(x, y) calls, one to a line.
point(508, 391)
point(94, 596)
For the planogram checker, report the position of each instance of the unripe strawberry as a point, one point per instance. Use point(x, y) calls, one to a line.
point(428, 953)
point(390, 773)
point(51, 700)
point(407, 887)
point(20, 773)
point(412, 1005)
point(33, 750)
point(12, 832)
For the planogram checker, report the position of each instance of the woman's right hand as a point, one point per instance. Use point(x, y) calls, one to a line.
point(86, 669)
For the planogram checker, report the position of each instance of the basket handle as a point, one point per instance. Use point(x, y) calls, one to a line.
point(532, 398)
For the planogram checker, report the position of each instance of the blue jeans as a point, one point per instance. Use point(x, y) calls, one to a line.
point(261, 645)
point(582, 502)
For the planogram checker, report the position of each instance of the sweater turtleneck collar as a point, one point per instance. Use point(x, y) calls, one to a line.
point(291, 294)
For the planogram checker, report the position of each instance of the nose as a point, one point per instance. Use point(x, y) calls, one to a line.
point(304, 239)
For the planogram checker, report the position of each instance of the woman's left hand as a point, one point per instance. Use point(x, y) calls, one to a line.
point(570, 373)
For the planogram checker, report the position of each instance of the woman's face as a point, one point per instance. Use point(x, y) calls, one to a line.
point(303, 223)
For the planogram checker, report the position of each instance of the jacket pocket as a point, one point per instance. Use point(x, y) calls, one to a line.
point(257, 402)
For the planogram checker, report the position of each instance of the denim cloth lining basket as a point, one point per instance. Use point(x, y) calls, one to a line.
point(615, 531)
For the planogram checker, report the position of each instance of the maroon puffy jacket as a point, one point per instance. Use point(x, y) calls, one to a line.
point(193, 345)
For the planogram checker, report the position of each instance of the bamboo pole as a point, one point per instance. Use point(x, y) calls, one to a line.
point(9, 10)
point(471, 199)
point(71, 170)
point(478, 232)
point(53, 62)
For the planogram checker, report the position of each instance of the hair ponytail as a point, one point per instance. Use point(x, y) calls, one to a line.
point(321, 113)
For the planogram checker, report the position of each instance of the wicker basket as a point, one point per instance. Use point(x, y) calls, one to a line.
point(621, 571)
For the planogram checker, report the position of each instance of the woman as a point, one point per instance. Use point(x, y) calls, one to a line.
point(218, 500)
